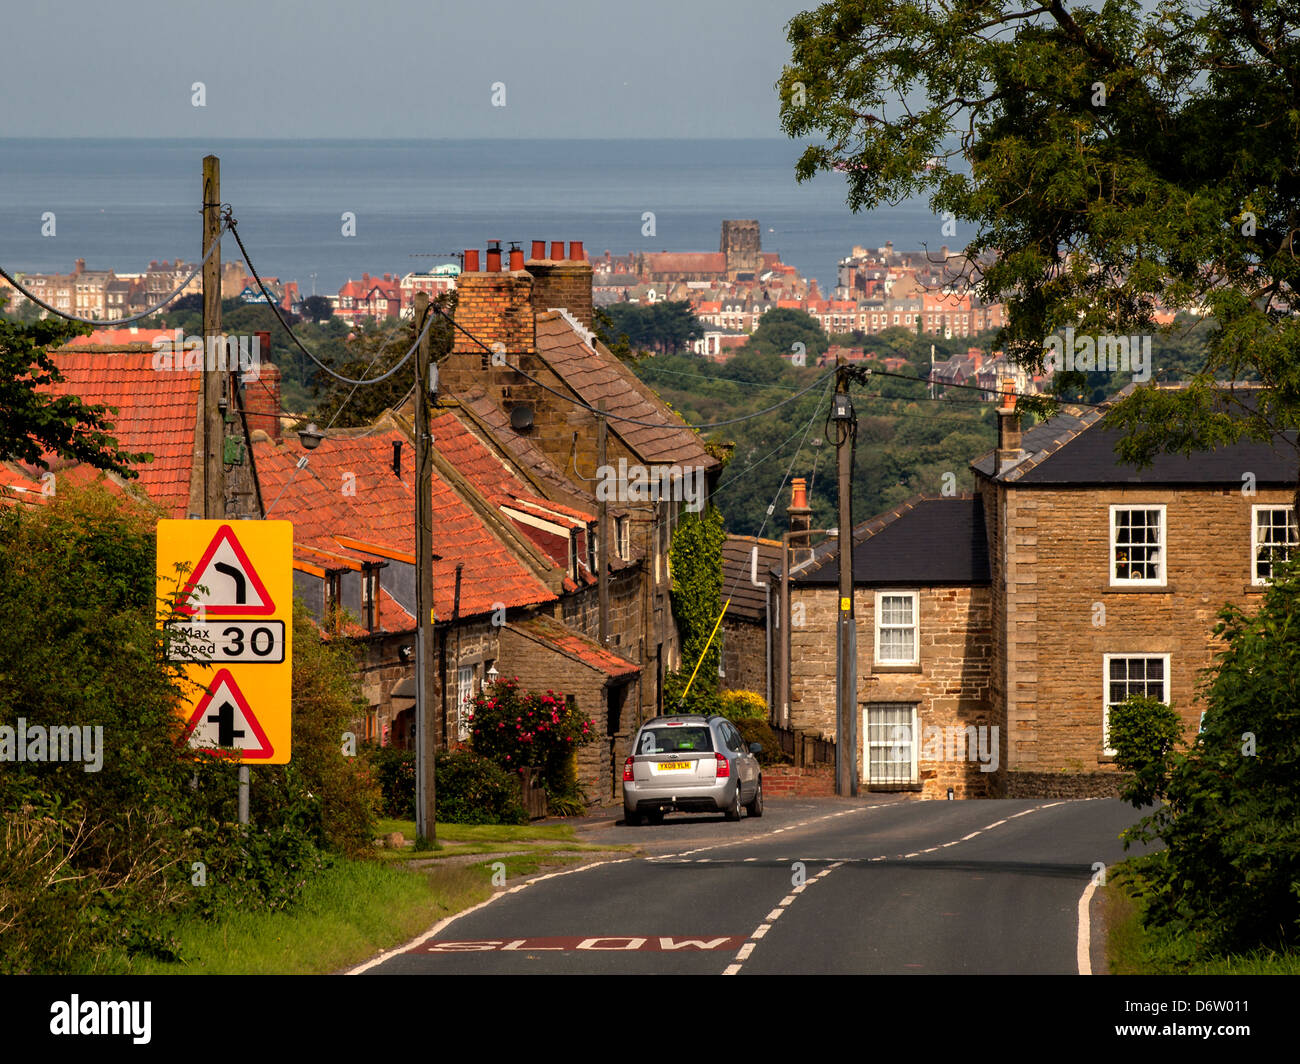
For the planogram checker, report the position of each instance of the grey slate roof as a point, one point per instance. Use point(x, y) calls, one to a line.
point(1077, 448)
point(924, 541)
point(747, 601)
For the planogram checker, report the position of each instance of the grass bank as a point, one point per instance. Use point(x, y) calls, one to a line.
point(1132, 949)
point(356, 909)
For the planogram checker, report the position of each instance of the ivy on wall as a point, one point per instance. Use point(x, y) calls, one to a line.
point(696, 558)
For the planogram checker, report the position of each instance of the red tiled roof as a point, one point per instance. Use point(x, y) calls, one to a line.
point(118, 338)
point(577, 646)
point(381, 511)
point(157, 410)
point(686, 262)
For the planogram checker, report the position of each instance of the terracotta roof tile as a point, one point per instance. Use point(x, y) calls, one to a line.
point(380, 509)
point(577, 646)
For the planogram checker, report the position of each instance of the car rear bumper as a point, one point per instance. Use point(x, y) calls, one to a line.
point(656, 797)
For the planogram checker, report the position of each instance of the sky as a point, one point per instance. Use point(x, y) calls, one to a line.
point(395, 68)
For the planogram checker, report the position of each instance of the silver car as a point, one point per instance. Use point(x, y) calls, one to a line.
point(691, 764)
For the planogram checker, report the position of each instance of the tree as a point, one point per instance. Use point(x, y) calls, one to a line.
point(33, 421)
point(696, 557)
point(782, 327)
point(375, 350)
point(317, 309)
point(1111, 161)
point(666, 327)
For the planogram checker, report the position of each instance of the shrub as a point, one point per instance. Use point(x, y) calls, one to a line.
point(522, 729)
point(759, 731)
point(470, 789)
point(395, 771)
point(1144, 732)
point(1226, 879)
point(742, 705)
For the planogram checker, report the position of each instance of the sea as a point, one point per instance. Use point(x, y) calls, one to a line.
point(415, 204)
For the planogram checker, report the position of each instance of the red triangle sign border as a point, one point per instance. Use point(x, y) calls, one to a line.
point(184, 605)
point(265, 749)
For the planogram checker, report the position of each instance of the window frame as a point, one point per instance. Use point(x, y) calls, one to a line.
point(878, 625)
point(1255, 579)
point(464, 699)
point(1106, 659)
point(1162, 580)
point(891, 741)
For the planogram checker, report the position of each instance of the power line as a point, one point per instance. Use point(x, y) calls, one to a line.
point(337, 376)
point(621, 417)
point(134, 317)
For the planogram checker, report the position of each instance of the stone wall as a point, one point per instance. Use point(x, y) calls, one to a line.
point(951, 685)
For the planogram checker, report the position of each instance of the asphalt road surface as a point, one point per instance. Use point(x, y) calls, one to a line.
point(815, 886)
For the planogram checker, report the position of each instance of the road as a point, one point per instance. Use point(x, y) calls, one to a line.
point(815, 886)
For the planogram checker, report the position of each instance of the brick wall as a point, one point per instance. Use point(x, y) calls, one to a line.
point(951, 686)
point(789, 781)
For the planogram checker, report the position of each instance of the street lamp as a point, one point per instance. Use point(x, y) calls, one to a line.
point(311, 436)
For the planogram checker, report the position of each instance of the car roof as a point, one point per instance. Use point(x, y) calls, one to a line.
point(681, 718)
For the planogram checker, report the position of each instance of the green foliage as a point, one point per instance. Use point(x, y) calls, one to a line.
point(1226, 879)
point(696, 556)
point(377, 347)
point(317, 309)
point(395, 770)
point(518, 729)
point(1144, 732)
point(782, 327)
point(664, 327)
point(1106, 161)
point(33, 421)
point(94, 858)
point(753, 730)
point(471, 789)
point(742, 705)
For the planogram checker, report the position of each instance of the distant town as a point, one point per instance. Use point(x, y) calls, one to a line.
point(728, 291)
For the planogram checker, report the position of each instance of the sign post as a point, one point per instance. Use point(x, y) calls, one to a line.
point(225, 599)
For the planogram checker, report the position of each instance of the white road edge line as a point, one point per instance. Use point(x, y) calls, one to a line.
point(447, 920)
point(1083, 950)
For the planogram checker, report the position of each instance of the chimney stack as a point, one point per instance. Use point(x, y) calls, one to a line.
point(495, 307)
point(1009, 452)
point(800, 514)
point(559, 282)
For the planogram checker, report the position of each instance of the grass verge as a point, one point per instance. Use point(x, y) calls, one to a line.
point(1132, 949)
point(350, 912)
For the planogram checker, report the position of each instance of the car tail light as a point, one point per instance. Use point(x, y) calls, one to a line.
point(627, 771)
point(724, 767)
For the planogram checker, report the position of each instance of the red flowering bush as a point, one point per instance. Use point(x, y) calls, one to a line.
point(521, 729)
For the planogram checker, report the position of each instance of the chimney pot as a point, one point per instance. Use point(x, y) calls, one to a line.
point(471, 260)
point(494, 256)
point(557, 250)
point(516, 259)
point(539, 249)
point(576, 253)
point(800, 493)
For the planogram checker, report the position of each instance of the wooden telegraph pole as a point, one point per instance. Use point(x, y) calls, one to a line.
point(846, 673)
point(216, 382)
point(425, 742)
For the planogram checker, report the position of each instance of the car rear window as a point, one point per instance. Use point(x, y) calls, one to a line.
point(685, 739)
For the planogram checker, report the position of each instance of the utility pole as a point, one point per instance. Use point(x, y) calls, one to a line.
point(425, 743)
point(846, 644)
point(602, 534)
point(215, 382)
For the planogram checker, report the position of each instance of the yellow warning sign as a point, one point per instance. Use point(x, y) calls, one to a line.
point(225, 603)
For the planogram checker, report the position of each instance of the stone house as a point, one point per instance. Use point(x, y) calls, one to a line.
point(1069, 581)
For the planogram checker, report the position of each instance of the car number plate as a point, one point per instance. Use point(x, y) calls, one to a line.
point(669, 766)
